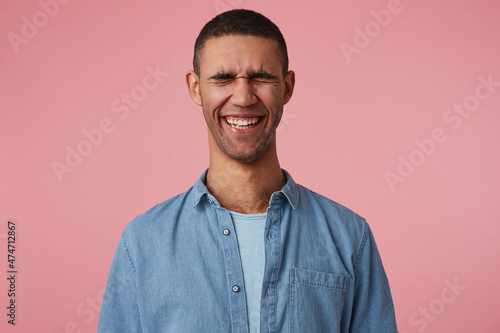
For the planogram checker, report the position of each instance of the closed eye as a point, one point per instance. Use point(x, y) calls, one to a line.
point(259, 77)
point(263, 77)
point(222, 78)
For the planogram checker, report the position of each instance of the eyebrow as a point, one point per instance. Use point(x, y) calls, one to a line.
point(252, 75)
point(222, 76)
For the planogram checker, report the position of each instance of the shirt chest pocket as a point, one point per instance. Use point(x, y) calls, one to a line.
point(316, 300)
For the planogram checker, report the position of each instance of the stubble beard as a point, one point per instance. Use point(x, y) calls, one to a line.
point(264, 143)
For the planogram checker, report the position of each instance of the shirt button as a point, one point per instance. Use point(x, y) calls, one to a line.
point(236, 288)
point(210, 200)
point(225, 232)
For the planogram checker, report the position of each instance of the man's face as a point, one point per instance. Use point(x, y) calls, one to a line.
point(242, 92)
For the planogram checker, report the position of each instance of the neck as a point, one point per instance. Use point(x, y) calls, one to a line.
point(242, 187)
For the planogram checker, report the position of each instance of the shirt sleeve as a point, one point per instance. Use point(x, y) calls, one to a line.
point(119, 309)
point(373, 308)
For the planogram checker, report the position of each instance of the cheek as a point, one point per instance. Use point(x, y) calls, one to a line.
point(272, 99)
point(211, 102)
point(270, 93)
point(215, 96)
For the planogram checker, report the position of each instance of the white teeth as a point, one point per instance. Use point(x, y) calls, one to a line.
point(242, 124)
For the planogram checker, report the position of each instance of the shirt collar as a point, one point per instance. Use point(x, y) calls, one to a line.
point(290, 190)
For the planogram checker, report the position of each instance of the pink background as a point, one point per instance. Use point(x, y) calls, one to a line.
point(351, 121)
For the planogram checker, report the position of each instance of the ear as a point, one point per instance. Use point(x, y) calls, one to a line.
point(289, 84)
point(193, 83)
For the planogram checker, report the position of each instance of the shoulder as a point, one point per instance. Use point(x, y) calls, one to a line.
point(338, 216)
point(310, 198)
point(159, 217)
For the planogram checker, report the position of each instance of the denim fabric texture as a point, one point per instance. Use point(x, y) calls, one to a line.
point(177, 268)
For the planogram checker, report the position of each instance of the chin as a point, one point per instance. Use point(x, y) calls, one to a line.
point(246, 158)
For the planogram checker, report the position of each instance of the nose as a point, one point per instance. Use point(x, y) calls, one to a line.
point(243, 93)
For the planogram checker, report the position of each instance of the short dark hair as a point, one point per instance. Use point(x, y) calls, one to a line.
point(240, 22)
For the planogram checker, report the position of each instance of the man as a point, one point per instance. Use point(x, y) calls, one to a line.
point(246, 249)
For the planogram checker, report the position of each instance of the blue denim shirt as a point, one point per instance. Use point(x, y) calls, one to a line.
point(177, 269)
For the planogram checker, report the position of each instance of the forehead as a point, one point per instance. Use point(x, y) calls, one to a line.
point(238, 53)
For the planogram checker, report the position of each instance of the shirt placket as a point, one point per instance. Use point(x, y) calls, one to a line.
point(272, 266)
point(234, 272)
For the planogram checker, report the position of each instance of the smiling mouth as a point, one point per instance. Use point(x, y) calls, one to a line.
point(242, 122)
